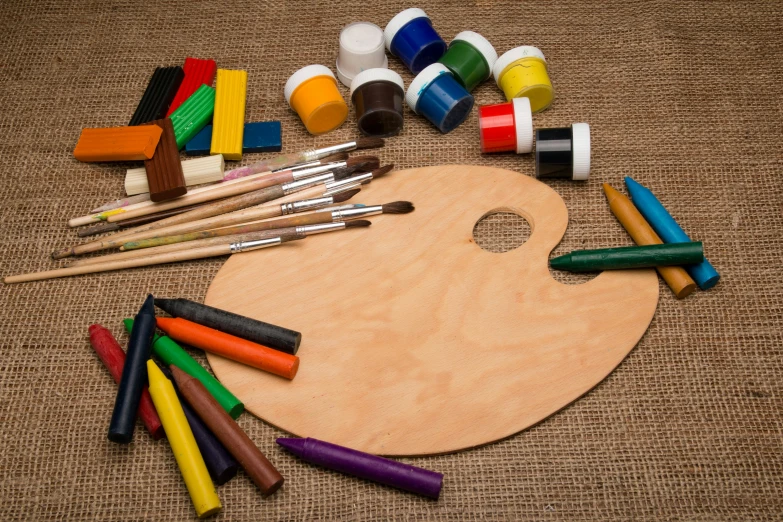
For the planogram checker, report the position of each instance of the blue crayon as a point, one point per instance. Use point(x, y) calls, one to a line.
point(670, 232)
point(260, 136)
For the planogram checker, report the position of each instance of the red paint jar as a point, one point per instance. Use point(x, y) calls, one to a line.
point(506, 127)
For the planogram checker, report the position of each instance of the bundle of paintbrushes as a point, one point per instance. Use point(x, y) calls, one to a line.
point(252, 207)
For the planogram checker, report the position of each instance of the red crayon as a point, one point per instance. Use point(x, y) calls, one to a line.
point(112, 356)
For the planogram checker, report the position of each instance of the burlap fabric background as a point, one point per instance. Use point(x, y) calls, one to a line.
point(686, 97)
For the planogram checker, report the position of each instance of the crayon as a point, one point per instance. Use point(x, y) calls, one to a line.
point(112, 356)
point(669, 230)
point(236, 441)
point(197, 73)
point(193, 115)
point(134, 375)
point(674, 254)
point(229, 119)
point(221, 465)
point(230, 347)
point(259, 136)
point(183, 444)
point(253, 330)
point(363, 465)
point(164, 170)
point(170, 353)
point(117, 144)
point(641, 232)
point(196, 171)
point(158, 95)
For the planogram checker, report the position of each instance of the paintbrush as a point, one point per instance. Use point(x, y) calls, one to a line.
point(171, 257)
point(216, 208)
point(311, 218)
point(101, 228)
point(287, 160)
point(263, 234)
point(237, 222)
point(215, 191)
point(243, 216)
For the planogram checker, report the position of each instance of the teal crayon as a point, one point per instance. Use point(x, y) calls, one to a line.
point(669, 230)
point(648, 256)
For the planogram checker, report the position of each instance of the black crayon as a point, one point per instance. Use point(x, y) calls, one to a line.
point(157, 98)
point(134, 375)
point(270, 335)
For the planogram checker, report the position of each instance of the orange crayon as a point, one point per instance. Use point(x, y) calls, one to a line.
point(117, 144)
point(642, 233)
point(230, 347)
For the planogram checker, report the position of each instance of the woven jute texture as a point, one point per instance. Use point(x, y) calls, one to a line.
point(684, 96)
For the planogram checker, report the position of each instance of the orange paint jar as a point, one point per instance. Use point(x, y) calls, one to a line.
point(312, 92)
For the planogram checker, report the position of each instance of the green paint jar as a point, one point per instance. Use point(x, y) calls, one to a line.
point(470, 59)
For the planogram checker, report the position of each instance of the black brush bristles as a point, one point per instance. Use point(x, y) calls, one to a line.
point(332, 158)
point(358, 223)
point(398, 207)
point(345, 196)
point(363, 160)
point(369, 143)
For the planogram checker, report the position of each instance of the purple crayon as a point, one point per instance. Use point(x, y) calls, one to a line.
point(366, 466)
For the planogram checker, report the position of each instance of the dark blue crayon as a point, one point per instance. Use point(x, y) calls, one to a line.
point(261, 136)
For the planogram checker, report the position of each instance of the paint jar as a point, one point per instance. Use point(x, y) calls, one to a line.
point(411, 38)
point(439, 97)
point(312, 93)
point(470, 59)
point(361, 48)
point(377, 95)
point(522, 73)
point(564, 152)
point(506, 127)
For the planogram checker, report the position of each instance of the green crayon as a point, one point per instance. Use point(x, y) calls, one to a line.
point(667, 254)
point(167, 350)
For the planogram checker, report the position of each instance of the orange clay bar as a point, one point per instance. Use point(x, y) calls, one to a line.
point(230, 347)
point(118, 143)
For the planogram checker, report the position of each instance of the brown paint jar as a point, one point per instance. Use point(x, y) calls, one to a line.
point(377, 96)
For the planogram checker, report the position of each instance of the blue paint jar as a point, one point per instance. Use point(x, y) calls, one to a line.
point(411, 38)
point(439, 97)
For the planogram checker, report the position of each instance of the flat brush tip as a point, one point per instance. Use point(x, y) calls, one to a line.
point(345, 196)
point(358, 223)
point(337, 156)
point(369, 143)
point(398, 207)
point(377, 173)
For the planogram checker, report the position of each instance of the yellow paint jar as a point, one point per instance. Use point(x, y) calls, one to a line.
point(312, 92)
point(522, 73)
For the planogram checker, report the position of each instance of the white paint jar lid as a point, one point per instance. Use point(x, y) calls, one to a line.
point(523, 125)
point(421, 81)
point(374, 75)
point(399, 21)
point(361, 48)
point(301, 76)
point(481, 44)
point(580, 148)
point(517, 53)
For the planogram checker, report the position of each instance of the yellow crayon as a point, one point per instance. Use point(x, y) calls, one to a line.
point(191, 464)
point(228, 121)
point(642, 233)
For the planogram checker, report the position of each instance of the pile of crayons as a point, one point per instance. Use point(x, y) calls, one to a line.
point(663, 244)
point(182, 400)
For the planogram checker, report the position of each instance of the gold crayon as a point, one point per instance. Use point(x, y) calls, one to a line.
point(642, 233)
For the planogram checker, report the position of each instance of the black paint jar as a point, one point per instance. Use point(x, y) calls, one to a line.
point(563, 152)
point(377, 96)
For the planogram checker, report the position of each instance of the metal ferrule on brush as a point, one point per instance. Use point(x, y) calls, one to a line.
point(304, 205)
point(342, 207)
point(359, 178)
point(344, 215)
point(312, 171)
point(299, 166)
point(340, 189)
point(296, 186)
point(309, 230)
point(246, 246)
point(328, 151)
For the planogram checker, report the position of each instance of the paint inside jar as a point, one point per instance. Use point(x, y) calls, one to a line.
point(470, 58)
point(377, 95)
point(506, 127)
point(312, 92)
point(563, 152)
point(439, 97)
point(522, 73)
point(411, 38)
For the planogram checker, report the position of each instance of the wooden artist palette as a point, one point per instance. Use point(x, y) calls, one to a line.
point(417, 341)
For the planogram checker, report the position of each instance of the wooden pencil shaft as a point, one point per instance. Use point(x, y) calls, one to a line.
point(223, 192)
point(176, 247)
point(143, 220)
point(180, 220)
